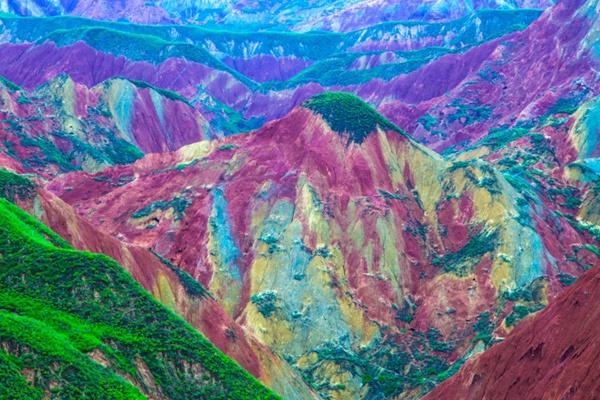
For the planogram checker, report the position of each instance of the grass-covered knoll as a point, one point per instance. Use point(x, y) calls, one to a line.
point(75, 325)
point(349, 115)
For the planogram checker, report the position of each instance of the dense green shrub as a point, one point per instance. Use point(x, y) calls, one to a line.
point(519, 312)
point(13, 87)
point(464, 260)
point(483, 327)
point(178, 204)
point(266, 302)
point(192, 286)
point(566, 279)
point(349, 115)
point(468, 114)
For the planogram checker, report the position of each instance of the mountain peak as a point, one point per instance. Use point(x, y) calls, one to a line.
point(349, 115)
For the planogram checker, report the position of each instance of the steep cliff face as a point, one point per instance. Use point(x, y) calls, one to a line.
point(368, 262)
point(177, 291)
point(584, 134)
point(74, 324)
point(589, 211)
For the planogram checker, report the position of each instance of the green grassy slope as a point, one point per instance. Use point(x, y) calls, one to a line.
point(75, 325)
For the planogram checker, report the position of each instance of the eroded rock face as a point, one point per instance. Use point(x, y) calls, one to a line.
point(81, 312)
point(550, 355)
point(501, 89)
point(448, 101)
point(240, 80)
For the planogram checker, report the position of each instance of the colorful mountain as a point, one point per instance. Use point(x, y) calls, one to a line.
point(403, 251)
point(352, 200)
point(395, 66)
point(172, 287)
point(494, 84)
